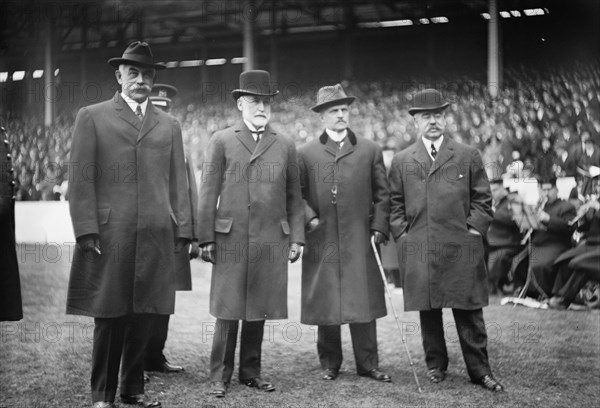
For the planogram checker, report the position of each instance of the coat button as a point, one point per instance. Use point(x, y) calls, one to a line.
point(248, 206)
point(8, 156)
point(5, 141)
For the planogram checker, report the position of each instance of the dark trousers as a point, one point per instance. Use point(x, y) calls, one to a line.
point(223, 349)
point(118, 342)
point(569, 282)
point(156, 342)
point(499, 263)
point(364, 344)
point(471, 334)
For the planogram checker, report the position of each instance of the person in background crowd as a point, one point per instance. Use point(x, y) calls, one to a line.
point(503, 237)
point(11, 308)
point(343, 212)
point(155, 359)
point(440, 212)
point(250, 225)
point(127, 229)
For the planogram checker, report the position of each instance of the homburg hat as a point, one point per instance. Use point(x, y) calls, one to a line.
point(331, 95)
point(137, 53)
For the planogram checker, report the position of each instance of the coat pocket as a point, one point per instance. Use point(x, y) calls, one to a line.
point(103, 216)
point(223, 225)
point(285, 227)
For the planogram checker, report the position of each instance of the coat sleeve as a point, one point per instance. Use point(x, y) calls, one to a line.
point(210, 189)
point(309, 212)
point(381, 194)
point(398, 221)
point(83, 176)
point(295, 207)
point(480, 201)
point(180, 201)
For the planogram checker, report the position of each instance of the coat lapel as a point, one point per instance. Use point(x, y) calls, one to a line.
point(420, 155)
point(125, 113)
point(267, 139)
point(150, 121)
point(329, 145)
point(446, 152)
point(244, 136)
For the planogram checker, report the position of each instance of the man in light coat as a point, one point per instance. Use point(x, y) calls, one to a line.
point(345, 189)
point(251, 223)
point(126, 174)
point(440, 211)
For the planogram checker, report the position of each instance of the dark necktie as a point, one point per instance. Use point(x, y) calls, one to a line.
point(139, 114)
point(433, 151)
point(257, 135)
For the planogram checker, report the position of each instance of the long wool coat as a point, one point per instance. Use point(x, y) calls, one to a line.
point(127, 181)
point(341, 282)
point(436, 203)
point(250, 206)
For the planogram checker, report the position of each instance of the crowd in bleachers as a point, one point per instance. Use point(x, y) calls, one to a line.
point(555, 104)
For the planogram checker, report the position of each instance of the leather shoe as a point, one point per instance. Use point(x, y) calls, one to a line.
point(377, 375)
point(103, 404)
point(489, 383)
point(139, 401)
point(146, 379)
point(330, 374)
point(259, 383)
point(165, 367)
point(436, 375)
point(218, 389)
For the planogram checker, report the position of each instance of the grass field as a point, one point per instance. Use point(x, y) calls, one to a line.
point(544, 358)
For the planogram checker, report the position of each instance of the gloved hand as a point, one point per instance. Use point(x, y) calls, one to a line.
point(180, 244)
point(194, 250)
point(312, 224)
point(90, 243)
point(379, 237)
point(295, 252)
point(209, 252)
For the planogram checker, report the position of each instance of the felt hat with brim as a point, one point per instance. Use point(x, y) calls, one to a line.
point(137, 53)
point(427, 100)
point(255, 82)
point(331, 95)
point(164, 91)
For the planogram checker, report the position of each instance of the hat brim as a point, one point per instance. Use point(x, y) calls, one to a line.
point(115, 62)
point(347, 100)
point(236, 93)
point(443, 106)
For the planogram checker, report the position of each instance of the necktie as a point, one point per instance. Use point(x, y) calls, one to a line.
point(138, 112)
point(433, 151)
point(257, 135)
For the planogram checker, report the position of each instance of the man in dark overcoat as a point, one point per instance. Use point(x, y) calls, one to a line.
point(127, 173)
point(440, 212)
point(155, 359)
point(11, 308)
point(250, 224)
point(346, 194)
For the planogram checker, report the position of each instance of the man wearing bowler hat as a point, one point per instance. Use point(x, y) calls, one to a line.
point(155, 360)
point(440, 212)
point(129, 217)
point(250, 224)
point(346, 196)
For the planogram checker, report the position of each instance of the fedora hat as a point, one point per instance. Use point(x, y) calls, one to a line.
point(255, 82)
point(331, 95)
point(137, 53)
point(427, 100)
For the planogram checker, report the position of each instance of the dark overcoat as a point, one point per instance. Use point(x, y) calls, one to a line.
point(183, 270)
point(250, 206)
point(10, 282)
point(435, 203)
point(341, 282)
point(126, 180)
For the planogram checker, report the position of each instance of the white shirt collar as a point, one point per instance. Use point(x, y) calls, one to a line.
point(133, 104)
point(437, 144)
point(252, 128)
point(335, 136)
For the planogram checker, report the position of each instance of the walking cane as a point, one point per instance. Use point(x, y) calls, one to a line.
point(387, 290)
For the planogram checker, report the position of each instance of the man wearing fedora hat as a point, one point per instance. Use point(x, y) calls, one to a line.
point(440, 212)
point(129, 217)
point(250, 224)
point(155, 360)
point(346, 195)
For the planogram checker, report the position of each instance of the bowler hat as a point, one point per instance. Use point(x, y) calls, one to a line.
point(255, 82)
point(427, 100)
point(137, 53)
point(331, 95)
